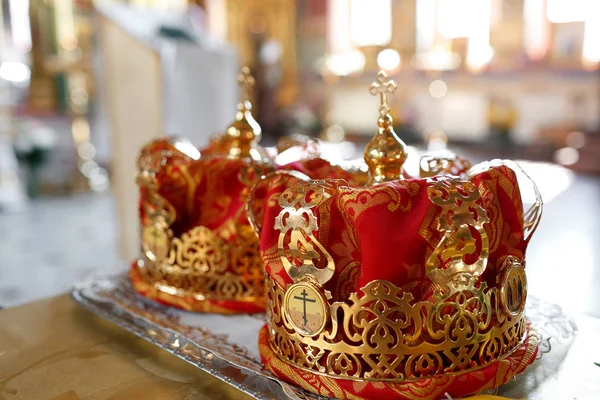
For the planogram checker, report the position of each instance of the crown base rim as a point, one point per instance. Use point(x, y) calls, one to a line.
point(457, 383)
point(475, 368)
point(194, 302)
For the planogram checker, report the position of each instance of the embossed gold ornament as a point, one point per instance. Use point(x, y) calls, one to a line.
point(305, 307)
point(298, 247)
point(197, 264)
point(445, 164)
point(513, 286)
point(432, 165)
point(156, 208)
point(156, 240)
point(382, 86)
point(460, 215)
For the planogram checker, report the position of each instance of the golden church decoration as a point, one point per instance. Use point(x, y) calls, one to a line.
point(197, 262)
point(382, 87)
point(241, 138)
point(445, 164)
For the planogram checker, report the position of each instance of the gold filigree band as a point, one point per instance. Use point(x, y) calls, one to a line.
point(384, 334)
point(200, 264)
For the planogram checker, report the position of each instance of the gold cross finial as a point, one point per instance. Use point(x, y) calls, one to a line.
point(246, 82)
point(382, 87)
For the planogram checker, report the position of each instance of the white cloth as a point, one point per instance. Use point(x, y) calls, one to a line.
point(200, 91)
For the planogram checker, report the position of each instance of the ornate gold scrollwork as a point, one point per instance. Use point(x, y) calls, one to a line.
point(253, 219)
point(201, 264)
point(298, 247)
point(155, 206)
point(432, 165)
point(460, 215)
point(159, 213)
point(383, 334)
point(448, 163)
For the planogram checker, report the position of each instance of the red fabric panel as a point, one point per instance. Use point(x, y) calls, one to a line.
point(388, 231)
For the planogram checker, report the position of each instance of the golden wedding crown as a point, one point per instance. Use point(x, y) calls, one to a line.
point(198, 249)
point(402, 280)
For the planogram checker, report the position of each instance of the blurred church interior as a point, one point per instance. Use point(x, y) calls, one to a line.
point(83, 84)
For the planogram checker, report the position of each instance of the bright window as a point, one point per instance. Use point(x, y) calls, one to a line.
point(559, 11)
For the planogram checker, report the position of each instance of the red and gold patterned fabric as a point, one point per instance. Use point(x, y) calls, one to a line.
point(387, 232)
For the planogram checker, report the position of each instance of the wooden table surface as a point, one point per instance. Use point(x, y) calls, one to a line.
point(54, 349)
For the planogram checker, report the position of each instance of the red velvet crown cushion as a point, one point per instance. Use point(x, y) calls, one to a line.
point(388, 231)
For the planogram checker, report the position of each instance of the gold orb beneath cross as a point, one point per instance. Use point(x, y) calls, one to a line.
point(305, 308)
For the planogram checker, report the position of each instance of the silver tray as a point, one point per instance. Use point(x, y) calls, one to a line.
point(227, 346)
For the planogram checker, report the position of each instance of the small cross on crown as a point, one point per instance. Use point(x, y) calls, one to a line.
point(382, 87)
point(246, 82)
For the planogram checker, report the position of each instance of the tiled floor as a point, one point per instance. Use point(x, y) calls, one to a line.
point(58, 241)
point(53, 243)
